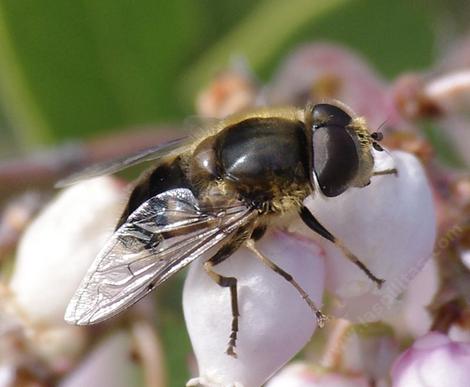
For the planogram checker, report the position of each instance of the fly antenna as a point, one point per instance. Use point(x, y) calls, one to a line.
point(378, 136)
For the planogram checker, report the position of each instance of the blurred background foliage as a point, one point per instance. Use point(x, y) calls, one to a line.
point(77, 69)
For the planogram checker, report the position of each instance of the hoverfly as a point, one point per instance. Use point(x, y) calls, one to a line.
point(208, 196)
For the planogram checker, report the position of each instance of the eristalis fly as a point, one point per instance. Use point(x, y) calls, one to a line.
point(208, 196)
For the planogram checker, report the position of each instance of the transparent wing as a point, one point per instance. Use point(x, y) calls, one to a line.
point(116, 165)
point(161, 237)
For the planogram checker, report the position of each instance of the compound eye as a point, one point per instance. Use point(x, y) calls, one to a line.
point(335, 159)
point(326, 114)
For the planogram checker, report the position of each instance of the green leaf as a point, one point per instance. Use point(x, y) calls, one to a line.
point(71, 69)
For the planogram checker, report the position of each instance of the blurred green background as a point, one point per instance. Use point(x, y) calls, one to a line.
point(78, 69)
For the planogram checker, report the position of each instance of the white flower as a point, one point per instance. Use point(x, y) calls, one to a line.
point(433, 361)
point(390, 225)
point(410, 315)
point(275, 322)
point(59, 246)
point(465, 257)
point(53, 255)
point(369, 350)
point(301, 375)
point(7, 375)
point(110, 364)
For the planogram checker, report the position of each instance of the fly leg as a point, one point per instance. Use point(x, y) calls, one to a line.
point(229, 282)
point(315, 225)
point(390, 171)
point(321, 317)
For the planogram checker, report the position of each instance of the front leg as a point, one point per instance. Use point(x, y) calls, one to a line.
point(316, 226)
point(390, 171)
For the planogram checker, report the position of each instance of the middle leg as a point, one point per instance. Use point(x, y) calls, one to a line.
point(229, 282)
point(321, 317)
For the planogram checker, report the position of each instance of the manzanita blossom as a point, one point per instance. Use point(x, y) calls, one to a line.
point(442, 94)
point(410, 316)
point(319, 71)
point(369, 350)
point(110, 364)
point(60, 244)
point(433, 361)
point(303, 375)
point(53, 255)
point(275, 322)
point(390, 225)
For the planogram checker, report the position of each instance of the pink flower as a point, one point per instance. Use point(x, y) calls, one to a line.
point(319, 71)
point(275, 322)
point(110, 364)
point(53, 255)
point(433, 361)
point(301, 375)
point(59, 245)
point(390, 225)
